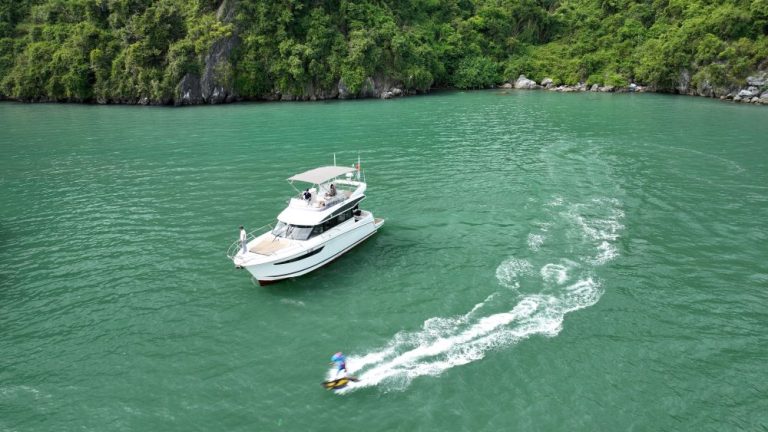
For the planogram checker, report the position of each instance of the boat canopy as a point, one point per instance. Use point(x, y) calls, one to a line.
point(322, 174)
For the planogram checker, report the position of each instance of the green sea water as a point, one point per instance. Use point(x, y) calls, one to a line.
point(549, 262)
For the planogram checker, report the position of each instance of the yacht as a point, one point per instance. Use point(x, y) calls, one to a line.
point(321, 222)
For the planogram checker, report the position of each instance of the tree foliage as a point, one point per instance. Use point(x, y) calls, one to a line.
point(131, 50)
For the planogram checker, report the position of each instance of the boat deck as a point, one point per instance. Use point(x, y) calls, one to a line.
point(268, 246)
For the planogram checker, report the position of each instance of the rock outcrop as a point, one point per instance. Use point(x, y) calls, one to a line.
point(216, 85)
point(756, 90)
point(523, 82)
point(759, 80)
point(373, 87)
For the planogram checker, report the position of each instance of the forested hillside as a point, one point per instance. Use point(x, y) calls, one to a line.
point(196, 51)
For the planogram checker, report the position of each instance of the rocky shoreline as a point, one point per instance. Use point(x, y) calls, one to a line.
point(211, 89)
point(755, 91)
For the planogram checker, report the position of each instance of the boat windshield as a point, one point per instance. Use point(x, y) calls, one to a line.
point(293, 232)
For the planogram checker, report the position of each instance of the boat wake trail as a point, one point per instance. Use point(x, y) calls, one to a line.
point(536, 292)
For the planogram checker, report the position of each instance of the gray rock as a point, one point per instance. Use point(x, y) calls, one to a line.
point(215, 85)
point(749, 92)
point(607, 89)
point(344, 92)
point(310, 92)
point(737, 98)
point(594, 88)
point(684, 81)
point(189, 91)
point(226, 11)
point(218, 75)
point(368, 89)
point(506, 86)
point(372, 87)
point(758, 80)
point(704, 88)
point(547, 82)
point(524, 83)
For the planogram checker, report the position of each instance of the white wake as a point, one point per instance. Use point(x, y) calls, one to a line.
point(533, 300)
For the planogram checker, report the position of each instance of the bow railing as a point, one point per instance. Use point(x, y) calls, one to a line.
point(236, 246)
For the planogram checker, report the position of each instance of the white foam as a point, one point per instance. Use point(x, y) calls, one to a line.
point(601, 232)
point(606, 252)
point(555, 202)
point(510, 270)
point(446, 342)
point(435, 349)
point(292, 302)
point(535, 241)
point(554, 273)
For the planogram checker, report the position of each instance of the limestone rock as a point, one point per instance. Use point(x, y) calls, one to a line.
point(749, 92)
point(189, 91)
point(758, 80)
point(218, 75)
point(524, 83)
point(594, 88)
point(684, 81)
point(368, 89)
point(372, 87)
point(216, 83)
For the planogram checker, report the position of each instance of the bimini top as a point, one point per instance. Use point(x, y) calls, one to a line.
point(322, 174)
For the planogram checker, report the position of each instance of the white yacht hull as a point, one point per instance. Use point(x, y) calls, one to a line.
point(304, 256)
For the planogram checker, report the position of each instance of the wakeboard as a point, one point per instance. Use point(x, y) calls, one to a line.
point(339, 383)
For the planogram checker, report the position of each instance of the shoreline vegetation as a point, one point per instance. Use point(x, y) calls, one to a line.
point(192, 52)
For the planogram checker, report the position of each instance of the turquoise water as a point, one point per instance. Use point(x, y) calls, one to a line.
point(549, 262)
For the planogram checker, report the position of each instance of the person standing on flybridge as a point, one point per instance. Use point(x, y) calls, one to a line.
point(243, 239)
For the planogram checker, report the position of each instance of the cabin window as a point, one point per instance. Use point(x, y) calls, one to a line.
point(302, 232)
point(293, 232)
point(344, 216)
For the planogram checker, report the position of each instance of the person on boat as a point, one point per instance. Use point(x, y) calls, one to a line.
point(307, 195)
point(243, 239)
point(332, 192)
point(340, 360)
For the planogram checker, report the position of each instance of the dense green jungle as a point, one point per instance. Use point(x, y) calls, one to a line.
point(206, 51)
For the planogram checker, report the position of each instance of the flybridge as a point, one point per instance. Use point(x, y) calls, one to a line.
point(322, 174)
